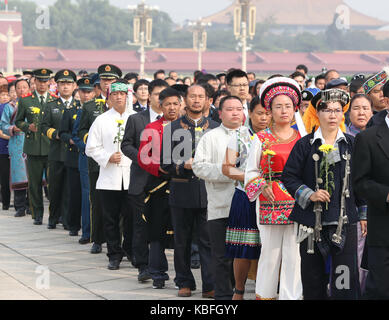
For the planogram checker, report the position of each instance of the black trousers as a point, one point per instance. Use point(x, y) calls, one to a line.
point(114, 205)
point(377, 283)
point(183, 220)
point(140, 248)
point(58, 192)
point(20, 200)
point(222, 267)
point(4, 179)
point(158, 264)
point(97, 220)
point(344, 278)
point(74, 198)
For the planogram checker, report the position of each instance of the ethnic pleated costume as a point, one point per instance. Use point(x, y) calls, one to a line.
point(266, 161)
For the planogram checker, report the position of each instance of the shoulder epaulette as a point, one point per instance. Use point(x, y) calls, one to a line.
point(27, 95)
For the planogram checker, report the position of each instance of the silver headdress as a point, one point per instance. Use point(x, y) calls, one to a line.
point(332, 95)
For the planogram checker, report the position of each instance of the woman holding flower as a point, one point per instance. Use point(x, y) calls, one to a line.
point(317, 174)
point(267, 157)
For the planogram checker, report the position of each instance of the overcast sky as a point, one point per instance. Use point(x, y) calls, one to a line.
point(181, 10)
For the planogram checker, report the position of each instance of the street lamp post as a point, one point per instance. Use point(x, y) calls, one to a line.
point(143, 26)
point(244, 26)
point(199, 39)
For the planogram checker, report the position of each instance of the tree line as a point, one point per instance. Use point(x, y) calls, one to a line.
point(96, 24)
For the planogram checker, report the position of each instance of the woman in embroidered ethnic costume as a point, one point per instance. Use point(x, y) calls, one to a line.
point(18, 170)
point(318, 175)
point(242, 235)
point(267, 157)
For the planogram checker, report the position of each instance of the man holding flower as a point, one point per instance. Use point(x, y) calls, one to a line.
point(103, 146)
point(36, 143)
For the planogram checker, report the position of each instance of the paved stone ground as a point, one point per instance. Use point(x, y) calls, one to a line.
point(29, 252)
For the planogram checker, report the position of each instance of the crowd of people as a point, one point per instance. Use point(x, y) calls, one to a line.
point(277, 179)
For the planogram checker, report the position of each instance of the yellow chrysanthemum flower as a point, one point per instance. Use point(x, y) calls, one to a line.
point(100, 101)
point(326, 148)
point(121, 122)
point(198, 129)
point(75, 117)
point(35, 110)
point(269, 152)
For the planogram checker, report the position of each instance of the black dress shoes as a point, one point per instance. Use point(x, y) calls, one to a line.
point(96, 248)
point(20, 213)
point(73, 233)
point(51, 226)
point(84, 240)
point(114, 264)
point(5, 207)
point(144, 275)
point(158, 284)
point(37, 222)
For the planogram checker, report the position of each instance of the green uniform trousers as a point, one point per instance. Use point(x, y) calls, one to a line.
point(36, 167)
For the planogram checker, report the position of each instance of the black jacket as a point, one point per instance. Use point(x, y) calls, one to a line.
point(65, 134)
point(371, 180)
point(299, 170)
point(136, 123)
point(377, 119)
point(186, 190)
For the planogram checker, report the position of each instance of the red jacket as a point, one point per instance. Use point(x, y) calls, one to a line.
point(150, 147)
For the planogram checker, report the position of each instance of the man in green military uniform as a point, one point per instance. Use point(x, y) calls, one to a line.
point(108, 73)
point(51, 120)
point(36, 144)
point(71, 164)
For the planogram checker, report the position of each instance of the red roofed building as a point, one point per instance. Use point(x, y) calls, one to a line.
point(184, 61)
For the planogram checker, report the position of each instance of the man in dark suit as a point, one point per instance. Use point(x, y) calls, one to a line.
point(188, 196)
point(141, 91)
point(371, 182)
point(138, 177)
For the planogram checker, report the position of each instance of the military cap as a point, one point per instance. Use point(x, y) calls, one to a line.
point(85, 84)
point(65, 75)
point(95, 79)
point(42, 74)
point(109, 71)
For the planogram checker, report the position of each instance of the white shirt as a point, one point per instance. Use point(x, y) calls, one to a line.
point(387, 120)
point(207, 165)
point(101, 146)
point(69, 101)
point(41, 95)
point(154, 115)
point(335, 155)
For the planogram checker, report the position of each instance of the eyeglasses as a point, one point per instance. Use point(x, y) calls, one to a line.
point(241, 85)
point(332, 111)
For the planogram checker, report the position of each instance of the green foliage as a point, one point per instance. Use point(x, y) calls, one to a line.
point(96, 24)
